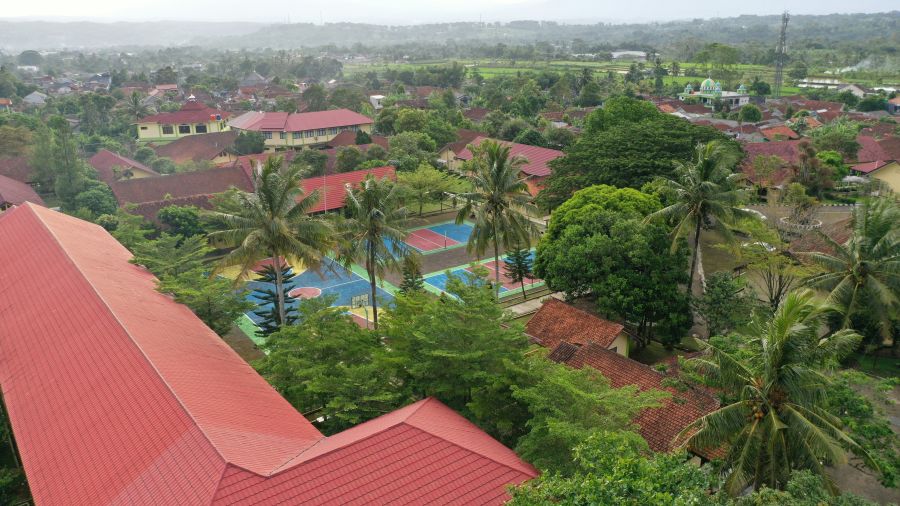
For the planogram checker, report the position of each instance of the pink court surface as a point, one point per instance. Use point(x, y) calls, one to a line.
point(426, 239)
point(305, 292)
point(504, 279)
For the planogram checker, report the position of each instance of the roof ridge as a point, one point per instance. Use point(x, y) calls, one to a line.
point(122, 326)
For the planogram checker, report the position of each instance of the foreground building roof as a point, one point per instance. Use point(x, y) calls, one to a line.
point(118, 395)
point(181, 185)
point(557, 322)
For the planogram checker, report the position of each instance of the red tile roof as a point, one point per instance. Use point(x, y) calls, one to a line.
point(185, 184)
point(16, 167)
point(298, 122)
point(149, 210)
point(5, 101)
point(778, 133)
point(104, 161)
point(788, 151)
point(537, 157)
point(248, 162)
point(13, 192)
point(557, 322)
point(868, 167)
point(476, 113)
point(870, 150)
point(348, 138)
point(659, 426)
point(198, 148)
point(190, 112)
point(116, 402)
point(333, 188)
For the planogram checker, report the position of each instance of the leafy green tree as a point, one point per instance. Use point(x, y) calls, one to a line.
point(838, 135)
point(706, 194)
point(774, 420)
point(559, 138)
point(569, 406)
point(500, 201)
point(135, 106)
point(170, 256)
point(347, 98)
point(348, 158)
point(809, 171)
point(97, 200)
point(181, 220)
point(249, 143)
point(269, 323)
point(872, 103)
point(835, 161)
point(425, 184)
point(750, 114)
point(316, 98)
point(761, 88)
point(598, 243)
point(616, 467)
point(271, 222)
point(408, 150)
point(213, 299)
point(862, 276)
point(312, 162)
point(726, 304)
point(531, 137)
point(362, 138)
point(374, 231)
point(519, 266)
point(329, 367)
point(626, 143)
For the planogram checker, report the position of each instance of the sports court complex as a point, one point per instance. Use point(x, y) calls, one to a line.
point(439, 237)
point(437, 282)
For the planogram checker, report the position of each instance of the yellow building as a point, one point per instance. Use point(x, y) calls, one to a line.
point(886, 171)
point(297, 130)
point(193, 118)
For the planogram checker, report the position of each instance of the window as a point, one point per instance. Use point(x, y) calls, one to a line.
point(282, 135)
point(168, 130)
point(297, 135)
point(333, 131)
point(184, 129)
point(321, 131)
point(310, 133)
point(267, 135)
point(143, 128)
point(200, 129)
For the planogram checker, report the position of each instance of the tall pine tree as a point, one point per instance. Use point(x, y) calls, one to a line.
point(519, 267)
point(412, 275)
point(268, 296)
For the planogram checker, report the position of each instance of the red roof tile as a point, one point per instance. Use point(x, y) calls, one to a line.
point(557, 322)
point(348, 138)
point(116, 402)
point(333, 188)
point(185, 184)
point(5, 101)
point(789, 151)
point(104, 161)
point(190, 112)
point(16, 167)
point(537, 157)
point(476, 114)
point(778, 133)
point(198, 148)
point(298, 122)
point(659, 426)
point(13, 192)
point(870, 150)
point(867, 167)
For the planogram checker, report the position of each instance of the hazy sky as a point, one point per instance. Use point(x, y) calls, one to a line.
point(423, 11)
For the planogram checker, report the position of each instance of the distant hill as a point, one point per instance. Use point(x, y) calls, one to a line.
point(19, 35)
point(813, 30)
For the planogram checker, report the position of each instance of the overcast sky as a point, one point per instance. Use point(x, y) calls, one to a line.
point(423, 11)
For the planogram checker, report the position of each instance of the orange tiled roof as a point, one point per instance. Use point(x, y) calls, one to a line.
point(557, 322)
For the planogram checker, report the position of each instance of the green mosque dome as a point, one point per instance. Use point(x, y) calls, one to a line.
point(708, 85)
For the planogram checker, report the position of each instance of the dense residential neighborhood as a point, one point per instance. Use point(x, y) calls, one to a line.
point(530, 263)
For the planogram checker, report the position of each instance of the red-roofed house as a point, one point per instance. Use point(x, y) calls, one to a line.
point(13, 193)
point(213, 147)
point(181, 185)
point(288, 130)
point(659, 426)
point(348, 138)
point(113, 402)
point(535, 170)
point(112, 167)
point(788, 151)
point(5, 105)
point(778, 133)
point(193, 118)
point(333, 188)
point(557, 322)
point(887, 171)
point(17, 167)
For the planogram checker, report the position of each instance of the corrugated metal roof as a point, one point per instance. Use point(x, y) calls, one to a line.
point(537, 157)
point(333, 188)
point(14, 192)
point(298, 122)
point(117, 394)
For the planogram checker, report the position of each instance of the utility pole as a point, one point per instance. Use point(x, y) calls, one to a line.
point(781, 55)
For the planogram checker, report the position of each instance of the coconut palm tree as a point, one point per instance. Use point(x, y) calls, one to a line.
point(373, 233)
point(500, 202)
point(775, 422)
point(863, 275)
point(706, 195)
point(135, 106)
point(273, 222)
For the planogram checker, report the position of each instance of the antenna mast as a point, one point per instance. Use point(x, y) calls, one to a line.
point(781, 55)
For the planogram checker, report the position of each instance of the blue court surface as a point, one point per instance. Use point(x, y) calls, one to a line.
point(438, 281)
point(333, 279)
point(439, 237)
